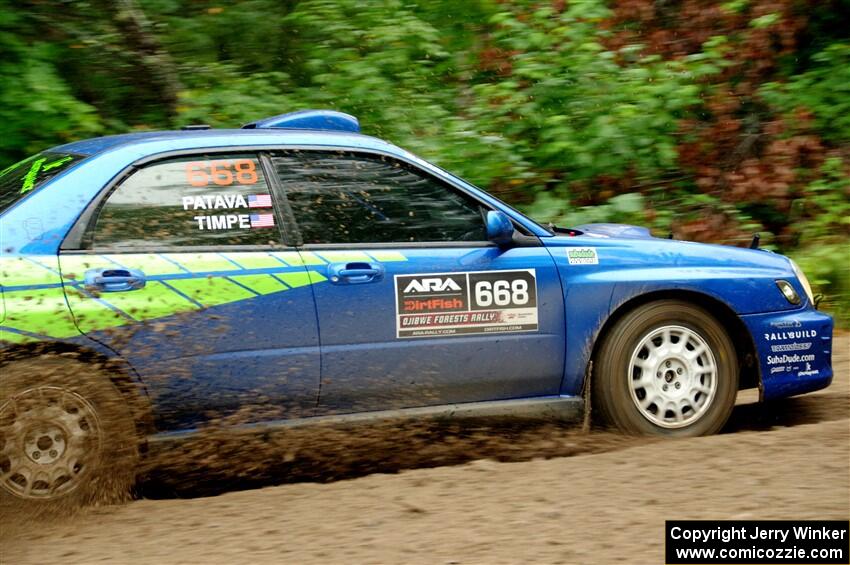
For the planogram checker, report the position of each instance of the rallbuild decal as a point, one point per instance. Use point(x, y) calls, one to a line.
point(442, 304)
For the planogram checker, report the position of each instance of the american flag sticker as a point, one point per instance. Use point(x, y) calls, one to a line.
point(259, 201)
point(262, 220)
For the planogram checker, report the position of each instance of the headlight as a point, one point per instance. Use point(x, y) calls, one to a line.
point(787, 290)
point(803, 281)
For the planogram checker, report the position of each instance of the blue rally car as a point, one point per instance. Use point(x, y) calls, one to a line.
point(152, 281)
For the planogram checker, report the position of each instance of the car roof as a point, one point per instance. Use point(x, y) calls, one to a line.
point(109, 155)
point(202, 138)
point(302, 127)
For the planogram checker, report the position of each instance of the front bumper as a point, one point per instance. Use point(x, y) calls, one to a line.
point(794, 351)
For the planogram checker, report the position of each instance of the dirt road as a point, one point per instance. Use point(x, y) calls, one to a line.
point(562, 498)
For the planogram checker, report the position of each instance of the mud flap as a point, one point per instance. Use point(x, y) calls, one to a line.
point(585, 424)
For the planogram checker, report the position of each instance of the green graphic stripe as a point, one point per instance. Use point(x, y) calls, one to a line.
point(44, 311)
point(149, 264)
point(156, 300)
point(256, 260)
point(40, 311)
point(261, 284)
point(57, 163)
point(31, 176)
point(303, 259)
point(13, 337)
point(303, 278)
point(18, 271)
point(344, 256)
point(41, 270)
point(212, 291)
point(91, 314)
point(202, 262)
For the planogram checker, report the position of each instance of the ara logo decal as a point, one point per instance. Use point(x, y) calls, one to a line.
point(431, 285)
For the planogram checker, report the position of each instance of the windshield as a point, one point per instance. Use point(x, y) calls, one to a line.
point(22, 178)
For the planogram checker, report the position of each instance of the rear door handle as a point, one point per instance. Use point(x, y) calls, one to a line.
point(355, 273)
point(114, 280)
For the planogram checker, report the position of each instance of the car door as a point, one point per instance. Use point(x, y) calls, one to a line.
point(183, 271)
point(415, 306)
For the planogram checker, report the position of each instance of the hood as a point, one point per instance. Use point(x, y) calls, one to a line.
point(615, 230)
point(629, 245)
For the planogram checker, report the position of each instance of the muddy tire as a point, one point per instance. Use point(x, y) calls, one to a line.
point(665, 368)
point(67, 435)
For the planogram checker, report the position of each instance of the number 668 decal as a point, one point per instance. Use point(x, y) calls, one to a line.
point(463, 303)
point(503, 289)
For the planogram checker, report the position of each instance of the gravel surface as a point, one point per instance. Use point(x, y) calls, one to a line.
point(554, 496)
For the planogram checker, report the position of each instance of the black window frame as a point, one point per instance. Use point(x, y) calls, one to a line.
point(80, 238)
point(290, 238)
point(484, 207)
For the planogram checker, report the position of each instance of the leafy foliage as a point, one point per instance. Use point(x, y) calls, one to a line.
point(821, 94)
point(37, 108)
point(711, 120)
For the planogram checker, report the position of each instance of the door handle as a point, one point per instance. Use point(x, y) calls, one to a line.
point(114, 280)
point(355, 273)
point(351, 273)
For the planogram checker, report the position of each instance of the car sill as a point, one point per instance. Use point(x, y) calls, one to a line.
point(556, 408)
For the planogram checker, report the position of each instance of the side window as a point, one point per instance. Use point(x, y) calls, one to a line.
point(340, 197)
point(197, 200)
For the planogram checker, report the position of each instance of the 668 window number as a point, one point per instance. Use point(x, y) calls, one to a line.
point(501, 293)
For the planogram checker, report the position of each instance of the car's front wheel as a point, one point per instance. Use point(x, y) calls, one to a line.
point(665, 368)
point(66, 434)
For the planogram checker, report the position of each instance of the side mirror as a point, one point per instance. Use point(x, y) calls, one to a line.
point(500, 230)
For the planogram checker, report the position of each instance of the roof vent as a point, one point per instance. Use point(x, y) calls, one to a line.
point(309, 119)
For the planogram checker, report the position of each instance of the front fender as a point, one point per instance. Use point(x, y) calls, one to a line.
point(622, 271)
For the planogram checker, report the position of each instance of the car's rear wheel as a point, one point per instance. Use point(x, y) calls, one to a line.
point(67, 434)
point(665, 368)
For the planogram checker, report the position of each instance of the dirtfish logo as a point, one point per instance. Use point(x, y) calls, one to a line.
point(431, 285)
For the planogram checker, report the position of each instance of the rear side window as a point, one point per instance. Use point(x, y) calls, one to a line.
point(22, 178)
point(341, 197)
point(189, 201)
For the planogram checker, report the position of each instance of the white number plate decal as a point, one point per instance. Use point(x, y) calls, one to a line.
point(444, 304)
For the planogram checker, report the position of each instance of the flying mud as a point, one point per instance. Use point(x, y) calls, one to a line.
point(479, 492)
